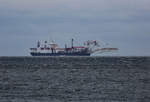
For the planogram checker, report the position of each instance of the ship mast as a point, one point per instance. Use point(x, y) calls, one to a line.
point(72, 42)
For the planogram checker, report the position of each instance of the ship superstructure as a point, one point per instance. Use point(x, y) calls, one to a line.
point(52, 49)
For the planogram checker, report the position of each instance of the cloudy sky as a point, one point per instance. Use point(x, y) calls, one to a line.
point(121, 23)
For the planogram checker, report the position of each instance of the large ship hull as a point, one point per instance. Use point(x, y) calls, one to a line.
point(60, 54)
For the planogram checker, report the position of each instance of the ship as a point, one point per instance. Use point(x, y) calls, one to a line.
point(51, 49)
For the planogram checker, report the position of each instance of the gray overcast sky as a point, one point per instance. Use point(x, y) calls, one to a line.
point(121, 23)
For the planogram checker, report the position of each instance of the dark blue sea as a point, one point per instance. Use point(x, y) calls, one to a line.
point(74, 79)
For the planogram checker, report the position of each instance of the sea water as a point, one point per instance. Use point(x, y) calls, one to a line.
point(74, 79)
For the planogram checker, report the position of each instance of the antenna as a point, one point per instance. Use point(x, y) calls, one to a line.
point(51, 37)
point(38, 44)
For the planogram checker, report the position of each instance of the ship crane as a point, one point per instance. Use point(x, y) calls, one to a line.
point(95, 47)
point(101, 50)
